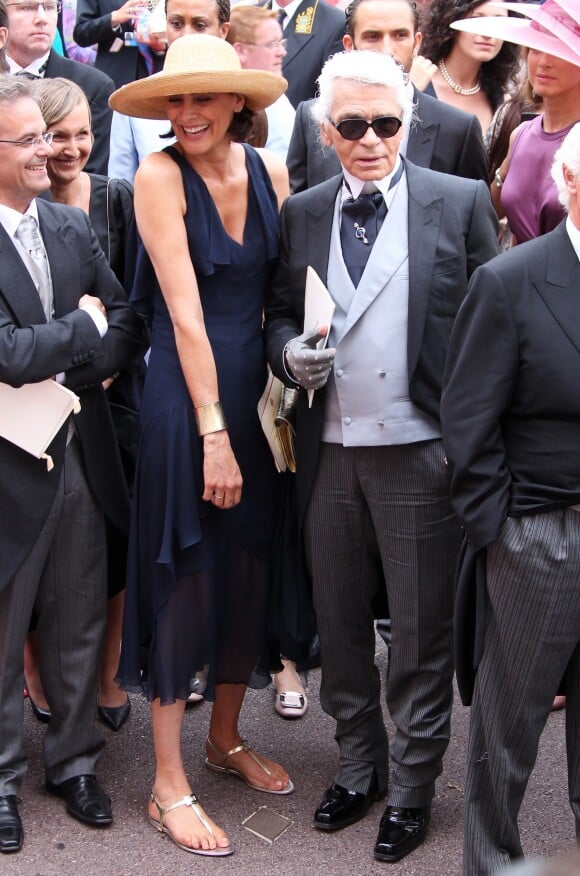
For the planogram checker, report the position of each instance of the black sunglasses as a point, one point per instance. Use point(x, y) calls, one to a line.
point(355, 129)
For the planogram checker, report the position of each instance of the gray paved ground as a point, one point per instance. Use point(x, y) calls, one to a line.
point(55, 845)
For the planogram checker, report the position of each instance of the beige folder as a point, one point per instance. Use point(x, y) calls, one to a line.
point(31, 415)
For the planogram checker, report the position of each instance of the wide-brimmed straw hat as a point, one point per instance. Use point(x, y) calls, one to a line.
point(197, 64)
point(554, 27)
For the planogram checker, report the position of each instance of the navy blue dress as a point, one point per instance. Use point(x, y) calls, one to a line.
point(198, 577)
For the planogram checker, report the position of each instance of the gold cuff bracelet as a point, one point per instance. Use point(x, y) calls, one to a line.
point(210, 418)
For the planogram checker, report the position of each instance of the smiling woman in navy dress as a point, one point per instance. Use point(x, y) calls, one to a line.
point(203, 517)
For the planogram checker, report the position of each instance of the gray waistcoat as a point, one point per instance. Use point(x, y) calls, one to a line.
point(367, 401)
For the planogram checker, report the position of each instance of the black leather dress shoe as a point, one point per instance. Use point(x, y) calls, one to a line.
point(114, 716)
point(401, 831)
point(85, 800)
point(340, 807)
point(10, 825)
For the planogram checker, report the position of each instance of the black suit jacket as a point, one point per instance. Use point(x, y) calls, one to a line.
point(511, 407)
point(452, 230)
point(32, 350)
point(98, 88)
point(306, 52)
point(93, 25)
point(442, 138)
point(510, 411)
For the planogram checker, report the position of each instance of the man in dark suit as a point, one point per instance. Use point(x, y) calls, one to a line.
point(371, 479)
point(63, 315)
point(313, 31)
point(441, 137)
point(511, 429)
point(32, 27)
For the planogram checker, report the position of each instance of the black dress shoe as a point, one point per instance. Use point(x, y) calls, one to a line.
point(42, 715)
point(114, 716)
point(85, 800)
point(340, 807)
point(401, 831)
point(10, 825)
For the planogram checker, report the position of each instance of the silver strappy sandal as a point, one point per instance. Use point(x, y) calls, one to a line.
point(243, 746)
point(188, 800)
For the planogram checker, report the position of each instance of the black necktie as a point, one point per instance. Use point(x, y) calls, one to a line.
point(360, 223)
point(281, 17)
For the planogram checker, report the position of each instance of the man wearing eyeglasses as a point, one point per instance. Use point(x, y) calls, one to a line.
point(32, 27)
point(64, 317)
point(395, 245)
point(257, 38)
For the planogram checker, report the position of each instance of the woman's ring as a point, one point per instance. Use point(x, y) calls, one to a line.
point(215, 495)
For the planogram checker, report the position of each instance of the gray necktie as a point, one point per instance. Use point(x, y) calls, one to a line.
point(28, 235)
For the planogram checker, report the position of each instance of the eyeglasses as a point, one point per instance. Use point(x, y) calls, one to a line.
point(273, 44)
point(49, 7)
point(29, 142)
point(384, 127)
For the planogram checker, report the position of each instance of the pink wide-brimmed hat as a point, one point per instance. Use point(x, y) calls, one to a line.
point(553, 27)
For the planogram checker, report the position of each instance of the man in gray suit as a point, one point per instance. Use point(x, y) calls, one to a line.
point(441, 136)
point(64, 316)
point(371, 477)
point(511, 424)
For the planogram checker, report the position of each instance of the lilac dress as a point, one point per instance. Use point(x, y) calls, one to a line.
point(529, 197)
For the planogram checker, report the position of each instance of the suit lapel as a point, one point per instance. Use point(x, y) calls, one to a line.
point(560, 289)
point(16, 285)
point(424, 219)
point(59, 241)
point(52, 66)
point(422, 136)
point(379, 269)
point(319, 216)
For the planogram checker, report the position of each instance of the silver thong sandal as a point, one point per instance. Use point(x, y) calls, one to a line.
point(188, 800)
point(226, 770)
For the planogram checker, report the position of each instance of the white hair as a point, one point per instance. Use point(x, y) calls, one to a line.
point(568, 154)
point(363, 68)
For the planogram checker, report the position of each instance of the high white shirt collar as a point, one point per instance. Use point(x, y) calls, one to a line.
point(10, 218)
point(290, 10)
point(356, 185)
point(35, 67)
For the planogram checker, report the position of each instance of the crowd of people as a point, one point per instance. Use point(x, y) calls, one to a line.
point(163, 205)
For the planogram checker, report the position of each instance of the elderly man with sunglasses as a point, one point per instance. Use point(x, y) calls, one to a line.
point(371, 478)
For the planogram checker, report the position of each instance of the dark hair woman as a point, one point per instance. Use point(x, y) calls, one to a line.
point(205, 488)
point(473, 72)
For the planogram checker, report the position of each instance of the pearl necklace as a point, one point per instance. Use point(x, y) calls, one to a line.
point(466, 92)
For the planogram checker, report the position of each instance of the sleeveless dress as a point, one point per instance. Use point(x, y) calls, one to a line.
point(529, 196)
point(198, 577)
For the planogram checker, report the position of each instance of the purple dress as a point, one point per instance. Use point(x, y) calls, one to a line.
point(529, 196)
point(198, 577)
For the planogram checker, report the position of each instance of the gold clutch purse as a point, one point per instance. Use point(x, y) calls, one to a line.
point(277, 413)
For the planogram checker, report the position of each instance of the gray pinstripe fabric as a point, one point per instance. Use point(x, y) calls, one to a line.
point(65, 577)
point(380, 516)
point(532, 639)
